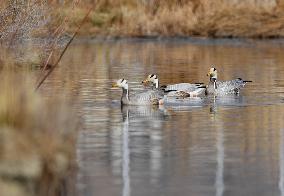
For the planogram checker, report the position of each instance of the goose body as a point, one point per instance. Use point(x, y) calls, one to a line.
point(186, 87)
point(223, 87)
point(149, 97)
point(176, 90)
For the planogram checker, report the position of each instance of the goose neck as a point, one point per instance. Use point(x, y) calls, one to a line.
point(214, 81)
point(156, 83)
point(125, 93)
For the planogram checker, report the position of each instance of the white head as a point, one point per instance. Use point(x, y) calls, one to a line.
point(152, 78)
point(212, 74)
point(121, 83)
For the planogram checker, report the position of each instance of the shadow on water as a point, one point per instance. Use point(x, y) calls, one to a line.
point(201, 146)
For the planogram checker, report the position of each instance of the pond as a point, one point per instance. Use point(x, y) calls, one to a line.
point(224, 146)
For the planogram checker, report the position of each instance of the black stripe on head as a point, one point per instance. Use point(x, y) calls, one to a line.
point(122, 80)
point(214, 69)
point(152, 75)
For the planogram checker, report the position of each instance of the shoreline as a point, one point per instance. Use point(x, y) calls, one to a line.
point(201, 41)
point(177, 39)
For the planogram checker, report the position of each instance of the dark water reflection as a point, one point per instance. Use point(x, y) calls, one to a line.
point(205, 146)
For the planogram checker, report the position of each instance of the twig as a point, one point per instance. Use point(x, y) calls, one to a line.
point(53, 46)
point(64, 50)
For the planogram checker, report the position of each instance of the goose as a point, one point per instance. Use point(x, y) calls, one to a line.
point(150, 97)
point(223, 87)
point(176, 90)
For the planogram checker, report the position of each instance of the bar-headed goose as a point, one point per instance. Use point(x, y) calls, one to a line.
point(216, 87)
point(176, 90)
point(149, 97)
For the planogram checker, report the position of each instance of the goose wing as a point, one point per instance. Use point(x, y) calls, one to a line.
point(186, 87)
point(147, 96)
point(231, 86)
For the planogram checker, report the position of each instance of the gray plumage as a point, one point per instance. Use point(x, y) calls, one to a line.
point(176, 90)
point(186, 87)
point(223, 87)
point(149, 97)
point(184, 90)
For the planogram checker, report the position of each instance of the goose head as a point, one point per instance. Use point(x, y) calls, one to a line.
point(212, 74)
point(153, 79)
point(121, 83)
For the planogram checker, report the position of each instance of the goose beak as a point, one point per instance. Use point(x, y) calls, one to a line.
point(209, 74)
point(114, 85)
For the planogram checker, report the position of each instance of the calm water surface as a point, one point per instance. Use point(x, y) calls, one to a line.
point(223, 146)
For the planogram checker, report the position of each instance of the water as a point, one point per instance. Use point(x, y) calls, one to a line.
point(223, 146)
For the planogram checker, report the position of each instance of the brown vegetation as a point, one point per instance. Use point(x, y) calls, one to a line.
point(206, 18)
point(37, 137)
point(37, 147)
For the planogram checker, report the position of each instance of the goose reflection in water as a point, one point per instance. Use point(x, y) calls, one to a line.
point(281, 162)
point(149, 113)
point(220, 149)
point(125, 156)
point(148, 116)
point(182, 104)
point(230, 100)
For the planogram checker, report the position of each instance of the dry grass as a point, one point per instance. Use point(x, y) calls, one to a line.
point(37, 145)
point(37, 137)
point(206, 18)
